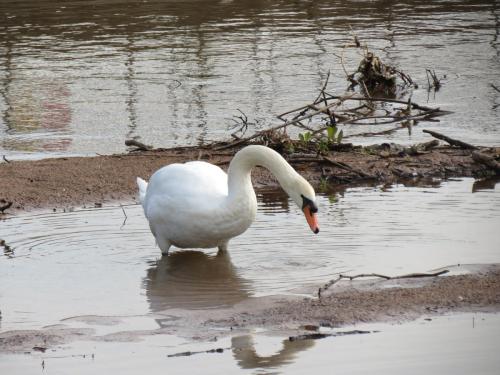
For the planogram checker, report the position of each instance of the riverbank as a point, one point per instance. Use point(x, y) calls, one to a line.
point(64, 183)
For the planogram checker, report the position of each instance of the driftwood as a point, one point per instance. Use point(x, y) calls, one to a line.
point(451, 141)
point(407, 276)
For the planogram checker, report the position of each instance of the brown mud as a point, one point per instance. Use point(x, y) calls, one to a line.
point(92, 181)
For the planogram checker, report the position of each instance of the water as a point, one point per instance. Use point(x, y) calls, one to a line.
point(462, 344)
point(81, 77)
point(100, 263)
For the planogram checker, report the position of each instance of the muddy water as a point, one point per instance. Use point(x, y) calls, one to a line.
point(81, 77)
point(104, 262)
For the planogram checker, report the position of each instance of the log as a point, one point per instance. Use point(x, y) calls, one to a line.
point(451, 141)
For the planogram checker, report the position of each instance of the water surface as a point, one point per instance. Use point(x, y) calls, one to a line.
point(80, 77)
point(100, 263)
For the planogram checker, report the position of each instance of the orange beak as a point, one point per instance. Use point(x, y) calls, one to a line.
point(311, 218)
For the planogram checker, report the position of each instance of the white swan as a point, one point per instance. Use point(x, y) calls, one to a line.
point(196, 205)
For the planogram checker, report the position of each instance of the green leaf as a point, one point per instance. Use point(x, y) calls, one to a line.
point(340, 136)
point(330, 131)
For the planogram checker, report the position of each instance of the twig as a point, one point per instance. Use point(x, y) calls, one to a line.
point(5, 205)
point(126, 217)
point(407, 276)
point(262, 132)
point(322, 91)
point(451, 141)
point(496, 88)
point(436, 83)
point(4, 158)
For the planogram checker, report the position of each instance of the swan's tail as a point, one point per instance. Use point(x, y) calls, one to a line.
point(142, 185)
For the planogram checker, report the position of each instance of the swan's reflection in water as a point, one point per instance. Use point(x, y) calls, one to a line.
point(246, 356)
point(194, 280)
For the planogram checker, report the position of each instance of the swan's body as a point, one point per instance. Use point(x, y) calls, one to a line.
point(198, 205)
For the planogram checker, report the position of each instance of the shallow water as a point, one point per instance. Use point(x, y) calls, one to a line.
point(461, 344)
point(81, 77)
point(99, 262)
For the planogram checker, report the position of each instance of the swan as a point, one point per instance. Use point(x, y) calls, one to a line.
point(197, 205)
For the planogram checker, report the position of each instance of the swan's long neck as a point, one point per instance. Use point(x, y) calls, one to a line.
point(239, 179)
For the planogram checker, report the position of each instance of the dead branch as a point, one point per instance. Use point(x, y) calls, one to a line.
point(436, 82)
point(451, 141)
point(496, 88)
point(407, 276)
point(240, 122)
point(5, 159)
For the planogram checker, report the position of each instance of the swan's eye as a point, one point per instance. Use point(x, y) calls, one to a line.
point(306, 202)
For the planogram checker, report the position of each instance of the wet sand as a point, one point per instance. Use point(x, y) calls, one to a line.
point(87, 181)
point(472, 288)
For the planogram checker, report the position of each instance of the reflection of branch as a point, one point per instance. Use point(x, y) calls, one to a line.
point(316, 336)
point(407, 276)
point(187, 354)
point(126, 217)
point(139, 145)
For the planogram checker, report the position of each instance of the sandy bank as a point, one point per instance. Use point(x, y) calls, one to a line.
point(86, 181)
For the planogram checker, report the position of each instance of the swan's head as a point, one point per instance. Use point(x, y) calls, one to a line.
point(304, 196)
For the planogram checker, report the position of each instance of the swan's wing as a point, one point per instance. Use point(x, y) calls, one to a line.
point(186, 186)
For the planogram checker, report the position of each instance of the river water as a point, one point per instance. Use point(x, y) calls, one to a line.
point(111, 266)
point(80, 77)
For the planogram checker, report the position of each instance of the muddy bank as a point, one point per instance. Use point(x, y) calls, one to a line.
point(352, 302)
point(88, 181)
point(469, 288)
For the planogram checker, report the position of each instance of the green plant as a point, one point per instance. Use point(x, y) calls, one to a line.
point(333, 136)
point(305, 137)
